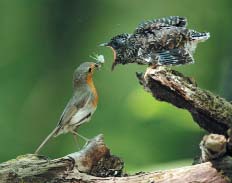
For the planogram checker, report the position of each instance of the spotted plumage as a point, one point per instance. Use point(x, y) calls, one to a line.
point(164, 41)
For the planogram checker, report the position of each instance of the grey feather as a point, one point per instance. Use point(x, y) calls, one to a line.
point(77, 102)
point(176, 21)
point(173, 57)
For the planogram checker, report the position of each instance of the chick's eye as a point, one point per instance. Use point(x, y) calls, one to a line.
point(115, 44)
point(90, 69)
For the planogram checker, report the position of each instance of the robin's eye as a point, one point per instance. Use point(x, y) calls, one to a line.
point(90, 69)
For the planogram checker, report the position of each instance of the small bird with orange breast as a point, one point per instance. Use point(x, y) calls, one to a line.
point(159, 42)
point(81, 106)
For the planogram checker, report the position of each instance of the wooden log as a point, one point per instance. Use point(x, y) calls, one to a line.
point(210, 111)
point(95, 164)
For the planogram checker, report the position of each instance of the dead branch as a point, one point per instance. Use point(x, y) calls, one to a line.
point(210, 111)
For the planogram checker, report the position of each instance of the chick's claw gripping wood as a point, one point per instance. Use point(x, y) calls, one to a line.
point(160, 42)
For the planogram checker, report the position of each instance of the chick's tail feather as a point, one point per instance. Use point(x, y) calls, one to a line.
point(52, 134)
point(200, 36)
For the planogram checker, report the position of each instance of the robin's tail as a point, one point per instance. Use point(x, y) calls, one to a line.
point(47, 139)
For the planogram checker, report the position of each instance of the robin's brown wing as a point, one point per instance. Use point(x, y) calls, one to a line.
point(77, 102)
point(176, 21)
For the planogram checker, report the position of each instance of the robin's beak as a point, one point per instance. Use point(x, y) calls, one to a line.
point(97, 66)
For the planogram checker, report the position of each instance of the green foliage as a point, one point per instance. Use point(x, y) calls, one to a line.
point(42, 42)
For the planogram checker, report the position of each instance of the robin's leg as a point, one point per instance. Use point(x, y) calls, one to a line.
point(75, 139)
point(77, 134)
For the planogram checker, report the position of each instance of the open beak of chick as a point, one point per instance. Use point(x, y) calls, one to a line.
point(104, 44)
point(114, 52)
point(113, 65)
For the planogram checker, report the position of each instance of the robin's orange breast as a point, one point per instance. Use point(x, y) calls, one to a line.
point(89, 81)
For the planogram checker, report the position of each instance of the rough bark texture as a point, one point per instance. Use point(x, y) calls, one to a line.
point(210, 111)
point(95, 164)
point(93, 159)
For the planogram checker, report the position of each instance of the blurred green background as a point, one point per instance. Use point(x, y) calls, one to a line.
point(43, 41)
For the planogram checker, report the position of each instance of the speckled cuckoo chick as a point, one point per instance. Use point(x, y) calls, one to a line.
point(159, 42)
